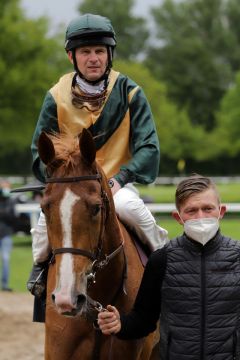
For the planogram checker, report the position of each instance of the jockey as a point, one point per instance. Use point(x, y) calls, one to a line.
point(116, 111)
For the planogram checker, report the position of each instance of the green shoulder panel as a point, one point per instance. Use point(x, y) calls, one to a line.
point(114, 110)
point(47, 121)
point(145, 147)
point(144, 144)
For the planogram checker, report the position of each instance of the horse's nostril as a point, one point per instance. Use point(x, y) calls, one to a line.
point(53, 297)
point(81, 300)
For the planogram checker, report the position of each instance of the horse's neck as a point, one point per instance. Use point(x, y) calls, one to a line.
point(113, 233)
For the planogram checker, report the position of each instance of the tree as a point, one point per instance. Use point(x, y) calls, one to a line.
point(198, 53)
point(131, 31)
point(178, 138)
point(228, 124)
point(30, 61)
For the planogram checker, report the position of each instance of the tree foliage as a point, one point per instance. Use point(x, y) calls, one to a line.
point(194, 61)
point(131, 31)
point(29, 64)
point(198, 53)
point(228, 121)
point(178, 138)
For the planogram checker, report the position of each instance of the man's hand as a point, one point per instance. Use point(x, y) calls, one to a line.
point(109, 321)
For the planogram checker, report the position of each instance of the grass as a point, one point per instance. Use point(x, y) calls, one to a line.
point(21, 262)
point(166, 193)
point(229, 227)
point(21, 257)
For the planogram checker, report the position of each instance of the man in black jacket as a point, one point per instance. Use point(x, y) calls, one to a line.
point(192, 285)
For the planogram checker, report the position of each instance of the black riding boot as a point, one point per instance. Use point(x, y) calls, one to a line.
point(37, 281)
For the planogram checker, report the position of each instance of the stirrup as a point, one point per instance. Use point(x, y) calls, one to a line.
point(36, 283)
point(37, 287)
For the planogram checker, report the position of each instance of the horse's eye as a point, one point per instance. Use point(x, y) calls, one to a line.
point(45, 208)
point(95, 209)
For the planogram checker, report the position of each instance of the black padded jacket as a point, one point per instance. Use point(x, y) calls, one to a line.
point(196, 291)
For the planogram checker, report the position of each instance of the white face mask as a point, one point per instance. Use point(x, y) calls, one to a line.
point(201, 230)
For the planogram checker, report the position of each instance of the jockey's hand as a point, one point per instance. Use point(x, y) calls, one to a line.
point(109, 321)
point(115, 185)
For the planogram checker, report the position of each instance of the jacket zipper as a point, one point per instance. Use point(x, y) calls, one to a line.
point(203, 310)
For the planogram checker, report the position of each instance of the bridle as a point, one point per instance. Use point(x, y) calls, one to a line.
point(99, 261)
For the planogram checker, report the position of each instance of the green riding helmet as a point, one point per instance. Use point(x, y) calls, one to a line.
point(90, 29)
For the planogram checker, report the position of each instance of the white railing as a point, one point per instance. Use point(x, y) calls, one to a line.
point(33, 209)
point(161, 180)
point(168, 208)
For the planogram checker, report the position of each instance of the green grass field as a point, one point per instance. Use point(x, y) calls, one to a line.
point(21, 262)
point(21, 259)
point(229, 227)
point(166, 193)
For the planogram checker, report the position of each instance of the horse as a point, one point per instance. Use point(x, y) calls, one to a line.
point(94, 262)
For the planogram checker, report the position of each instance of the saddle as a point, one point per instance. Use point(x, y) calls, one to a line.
point(142, 249)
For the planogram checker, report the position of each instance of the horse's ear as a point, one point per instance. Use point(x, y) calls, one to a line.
point(45, 148)
point(87, 146)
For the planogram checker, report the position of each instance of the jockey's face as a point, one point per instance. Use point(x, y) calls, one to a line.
point(91, 61)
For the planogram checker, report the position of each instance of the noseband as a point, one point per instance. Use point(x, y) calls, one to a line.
point(98, 261)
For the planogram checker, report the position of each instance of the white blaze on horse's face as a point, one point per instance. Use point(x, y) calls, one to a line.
point(66, 212)
point(66, 276)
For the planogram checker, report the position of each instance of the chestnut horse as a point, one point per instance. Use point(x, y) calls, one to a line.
point(95, 262)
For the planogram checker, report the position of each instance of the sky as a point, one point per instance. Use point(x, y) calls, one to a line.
point(62, 11)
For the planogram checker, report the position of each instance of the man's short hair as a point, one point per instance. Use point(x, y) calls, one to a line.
point(192, 185)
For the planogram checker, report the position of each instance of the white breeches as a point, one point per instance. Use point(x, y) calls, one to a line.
point(40, 244)
point(130, 209)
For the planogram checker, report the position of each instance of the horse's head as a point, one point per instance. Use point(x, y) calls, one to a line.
point(76, 205)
